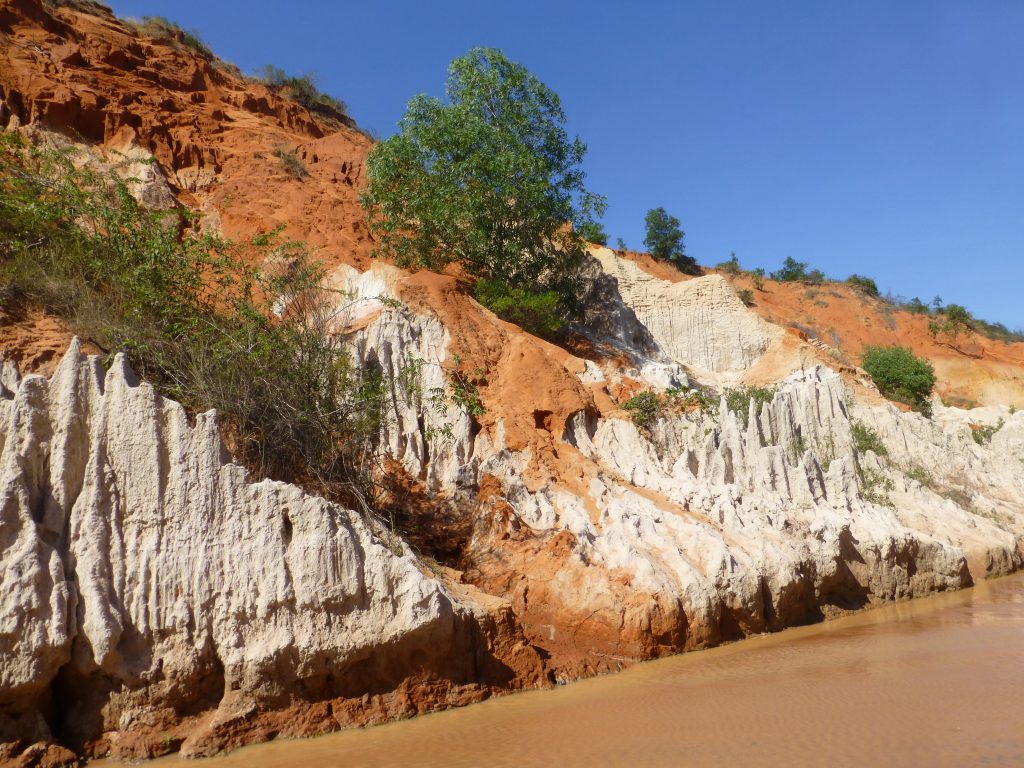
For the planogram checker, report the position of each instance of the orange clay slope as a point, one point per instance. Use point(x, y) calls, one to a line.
point(78, 70)
point(970, 370)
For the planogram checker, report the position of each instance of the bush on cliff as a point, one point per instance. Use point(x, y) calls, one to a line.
point(866, 284)
point(487, 179)
point(534, 311)
point(738, 401)
point(194, 316)
point(303, 89)
point(900, 375)
point(664, 239)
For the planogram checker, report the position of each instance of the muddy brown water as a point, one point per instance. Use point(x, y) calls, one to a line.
point(931, 682)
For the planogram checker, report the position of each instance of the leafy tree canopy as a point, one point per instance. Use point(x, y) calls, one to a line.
point(900, 375)
point(790, 271)
point(593, 232)
point(665, 239)
point(488, 178)
point(866, 284)
point(952, 320)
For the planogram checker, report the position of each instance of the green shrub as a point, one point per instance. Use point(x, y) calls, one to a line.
point(815, 277)
point(875, 487)
point(983, 434)
point(160, 27)
point(536, 312)
point(865, 284)
point(738, 400)
point(951, 320)
point(194, 318)
point(791, 271)
point(648, 406)
point(998, 331)
point(730, 267)
point(866, 439)
point(757, 276)
point(644, 408)
point(303, 89)
point(917, 306)
point(921, 475)
point(746, 296)
point(900, 375)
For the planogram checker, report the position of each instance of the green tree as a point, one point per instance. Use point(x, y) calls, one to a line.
point(590, 227)
point(791, 271)
point(593, 232)
point(917, 306)
point(731, 266)
point(665, 240)
point(900, 375)
point(488, 178)
point(951, 320)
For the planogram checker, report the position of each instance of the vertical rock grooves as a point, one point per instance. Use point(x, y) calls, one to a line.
point(615, 543)
point(155, 598)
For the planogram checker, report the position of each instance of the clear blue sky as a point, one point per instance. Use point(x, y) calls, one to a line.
point(878, 137)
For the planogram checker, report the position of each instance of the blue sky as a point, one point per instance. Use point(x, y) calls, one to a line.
point(877, 137)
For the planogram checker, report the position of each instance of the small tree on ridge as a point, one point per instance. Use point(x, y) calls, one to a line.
point(665, 240)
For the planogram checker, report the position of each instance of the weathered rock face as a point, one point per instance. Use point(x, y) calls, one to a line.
point(700, 322)
point(614, 542)
point(153, 598)
point(76, 68)
point(148, 584)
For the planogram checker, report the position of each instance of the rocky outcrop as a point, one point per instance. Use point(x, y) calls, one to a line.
point(614, 542)
point(700, 322)
point(76, 69)
point(153, 597)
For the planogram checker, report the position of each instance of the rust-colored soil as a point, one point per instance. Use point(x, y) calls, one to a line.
point(35, 341)
point(214, 132)
point(971, 369)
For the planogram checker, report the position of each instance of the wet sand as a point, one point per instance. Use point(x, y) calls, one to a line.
point(937, 682)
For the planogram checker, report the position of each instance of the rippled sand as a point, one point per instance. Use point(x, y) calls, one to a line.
point(933, 682)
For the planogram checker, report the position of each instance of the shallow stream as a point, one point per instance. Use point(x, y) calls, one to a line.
point(937, 681)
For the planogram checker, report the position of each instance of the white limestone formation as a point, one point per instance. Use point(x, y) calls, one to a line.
point(776, 521)
point(152, 575)
point(146, 573)
point(699, 322)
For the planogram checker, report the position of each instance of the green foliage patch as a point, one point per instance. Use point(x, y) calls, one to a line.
point(900, 375)
point(983, 433)
point(866, 439)
point(664, 240)
point(738, 401)
point(866, 284)
point(647, 407)
point(303, 89)
point(161, 27)
point(194, 317)
point(487, 179)
point(537, 312)
point(291, 162)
